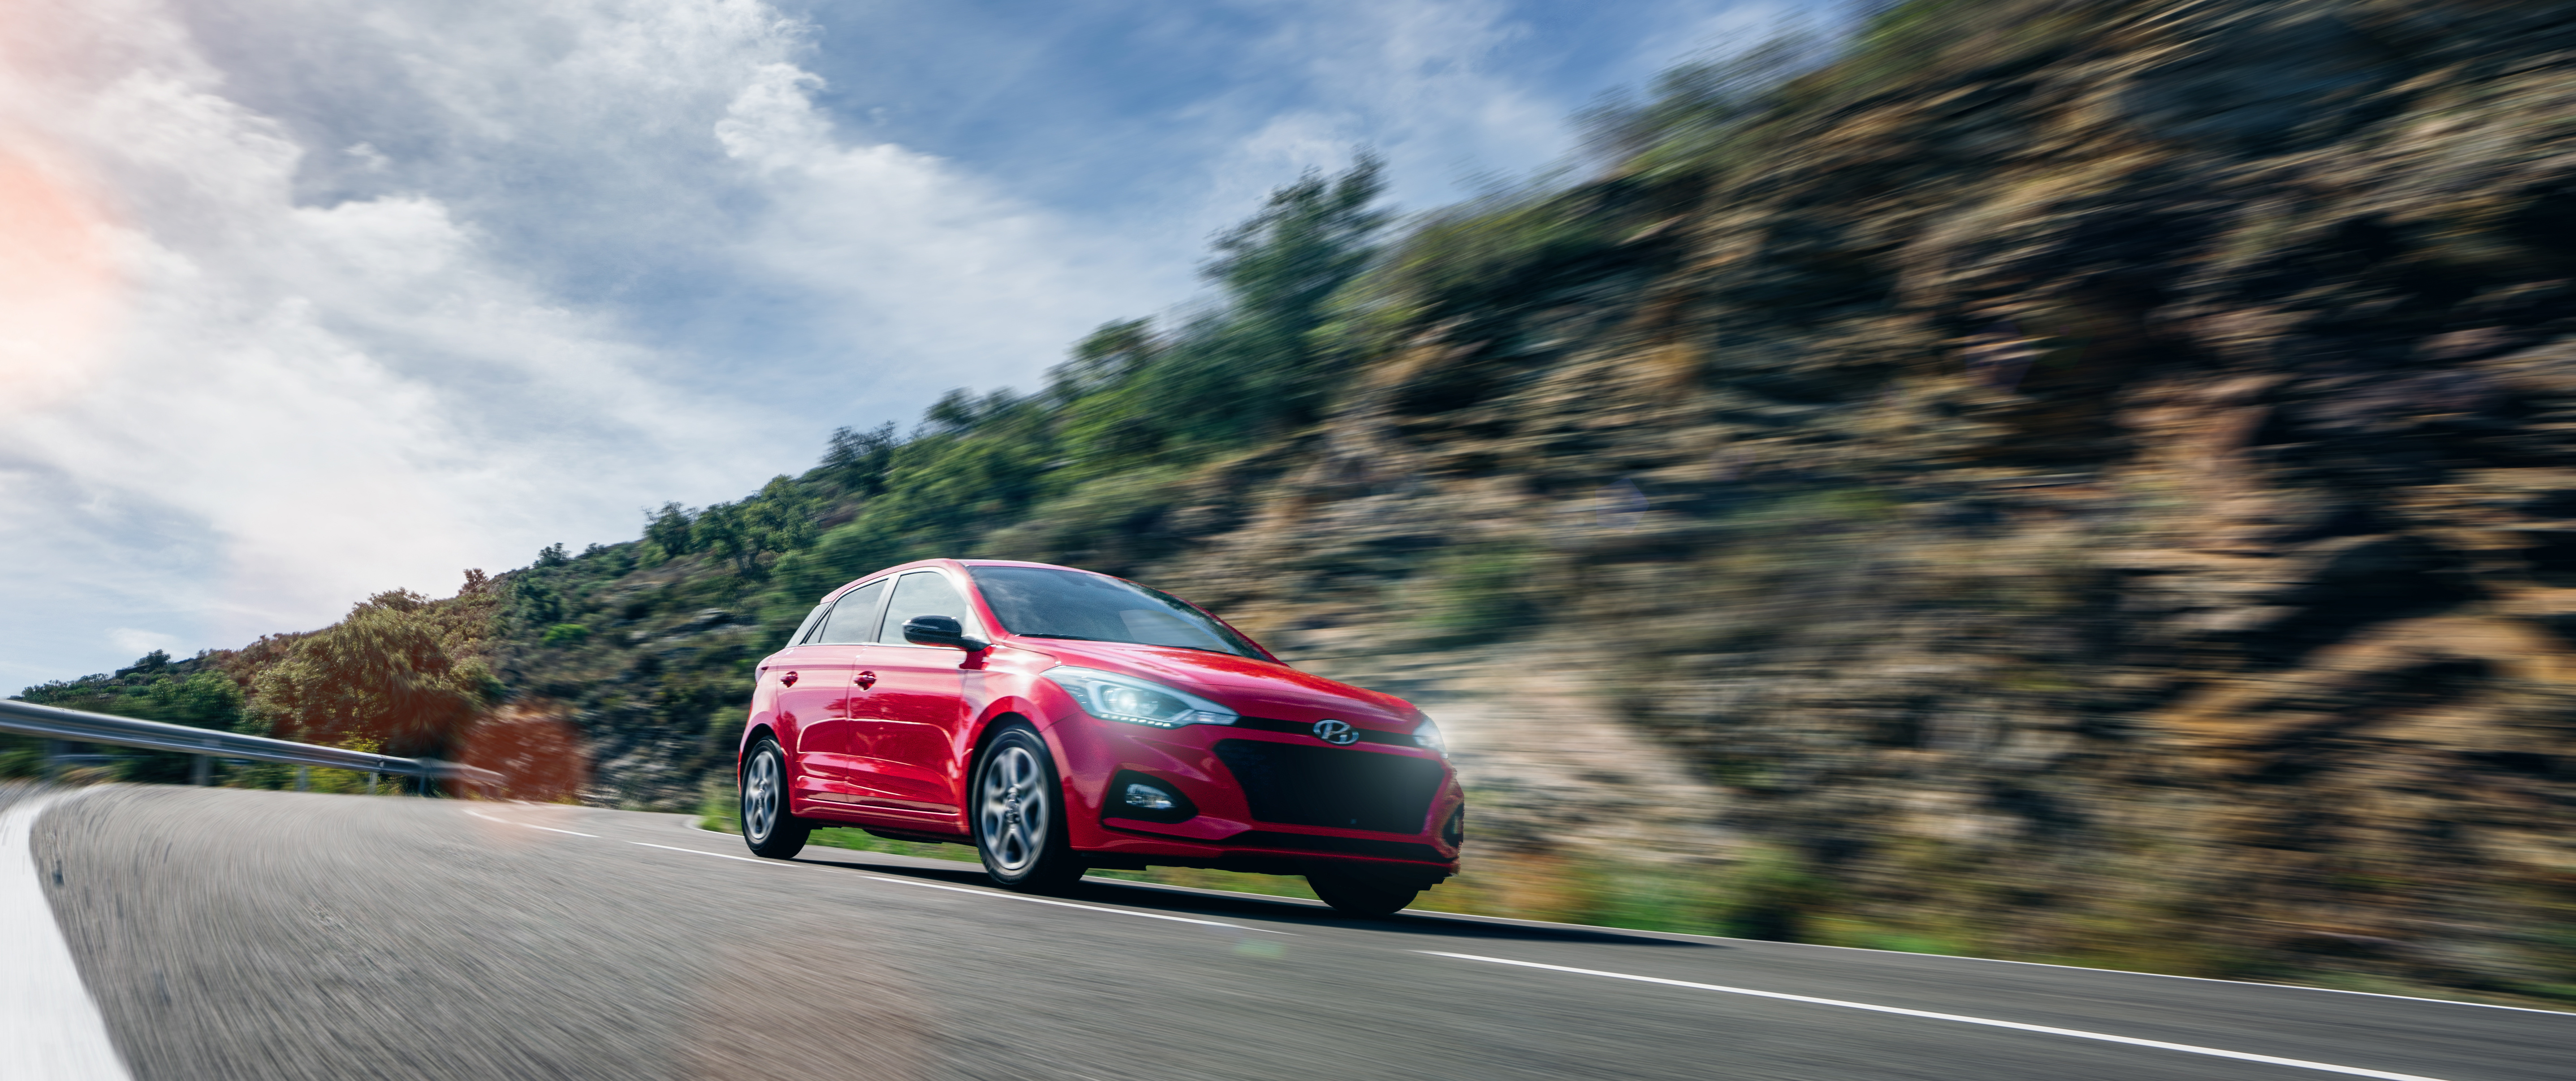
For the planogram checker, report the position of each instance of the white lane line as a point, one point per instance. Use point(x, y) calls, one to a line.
point(2125, 972)
point(530, 825)
point(1989, 1022)
point(718, 855)
point(1069, 904)
point(49, 1025)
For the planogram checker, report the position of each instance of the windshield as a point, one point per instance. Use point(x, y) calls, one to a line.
point(1043, 602)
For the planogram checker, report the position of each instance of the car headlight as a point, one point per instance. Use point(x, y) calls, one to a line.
point(1428, 735)
point(1113, 697)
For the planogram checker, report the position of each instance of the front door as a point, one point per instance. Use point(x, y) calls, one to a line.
point(909, 723)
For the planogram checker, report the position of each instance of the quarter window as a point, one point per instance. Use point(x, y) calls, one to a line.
point(813, 622)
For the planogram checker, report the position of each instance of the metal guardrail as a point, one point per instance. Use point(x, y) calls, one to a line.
point(82, 726)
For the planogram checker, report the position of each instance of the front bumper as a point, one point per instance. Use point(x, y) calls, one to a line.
point(1271, 801)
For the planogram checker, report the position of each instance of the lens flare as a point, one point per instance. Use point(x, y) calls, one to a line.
point(57, 283)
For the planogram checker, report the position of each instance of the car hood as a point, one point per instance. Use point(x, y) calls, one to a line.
point(1253, 688)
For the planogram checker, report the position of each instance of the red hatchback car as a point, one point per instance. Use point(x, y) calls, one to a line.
point(1060, 720)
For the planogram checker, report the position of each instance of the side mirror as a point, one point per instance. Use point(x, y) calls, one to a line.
point(940, 631)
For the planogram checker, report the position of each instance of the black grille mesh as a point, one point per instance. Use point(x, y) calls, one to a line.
point(1328, 786)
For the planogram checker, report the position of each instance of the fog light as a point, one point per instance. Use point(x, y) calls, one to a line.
point(1143, 797)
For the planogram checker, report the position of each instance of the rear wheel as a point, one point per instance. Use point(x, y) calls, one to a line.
point(1019, 814)
point(766, 825)
point(1357, 892)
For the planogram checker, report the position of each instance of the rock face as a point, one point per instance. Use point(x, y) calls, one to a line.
point(2105, 472)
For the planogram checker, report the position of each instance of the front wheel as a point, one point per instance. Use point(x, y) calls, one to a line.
point(1358, 893)
point(1019, 815)
point(766, 825)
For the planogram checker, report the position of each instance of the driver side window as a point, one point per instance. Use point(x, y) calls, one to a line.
point(921, 593)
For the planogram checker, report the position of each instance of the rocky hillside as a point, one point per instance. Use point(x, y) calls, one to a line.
point(2063, 479)
point(2071, 479)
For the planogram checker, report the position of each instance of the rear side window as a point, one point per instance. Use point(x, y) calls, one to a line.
point(921, 593)
point(849, 622)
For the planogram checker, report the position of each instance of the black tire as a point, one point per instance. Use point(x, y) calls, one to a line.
point(1016, 805)
point(1355, 892)
point(766, 826)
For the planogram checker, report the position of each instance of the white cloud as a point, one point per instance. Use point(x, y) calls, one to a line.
point(949, 280)
point(264, 405)
point(139, 642)
point(348, 397)
point(1418, 80)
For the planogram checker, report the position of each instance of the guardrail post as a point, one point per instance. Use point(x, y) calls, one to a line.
point(53, 761)
point(304, 778)
point(371, 782)
point(201, 772)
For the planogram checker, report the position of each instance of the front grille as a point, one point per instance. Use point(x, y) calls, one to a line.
point(1327, 786)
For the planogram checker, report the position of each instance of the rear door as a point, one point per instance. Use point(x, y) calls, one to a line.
point(827, 745)
point(909, 724)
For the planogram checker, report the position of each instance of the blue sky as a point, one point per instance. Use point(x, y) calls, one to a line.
point(392, 288)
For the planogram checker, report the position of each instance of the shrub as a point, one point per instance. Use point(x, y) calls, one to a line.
point(1480, 593)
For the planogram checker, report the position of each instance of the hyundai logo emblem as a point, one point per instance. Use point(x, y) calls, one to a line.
point(1337, 733)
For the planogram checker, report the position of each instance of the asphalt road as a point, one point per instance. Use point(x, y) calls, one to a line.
point(277, 935)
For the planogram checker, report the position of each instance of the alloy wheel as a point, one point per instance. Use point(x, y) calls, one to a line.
point(1012, 821)
point(760, 797)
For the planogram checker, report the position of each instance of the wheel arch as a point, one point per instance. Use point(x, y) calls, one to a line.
point(750, 736)
point(993, 725)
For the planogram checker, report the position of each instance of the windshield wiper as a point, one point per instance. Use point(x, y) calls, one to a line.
point(1077, 638)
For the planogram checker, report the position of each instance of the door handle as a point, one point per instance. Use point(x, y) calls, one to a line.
point(867, 680)
point(788, 679)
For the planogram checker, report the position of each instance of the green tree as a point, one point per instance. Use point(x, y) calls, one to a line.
point(954, 412)
point(667, 532)
point(1310, 238)
point(396, 670)
point(718, 532)
point(858, 460)
point(1106, 358)
point(534, 600)
point(1256, 367)
point(781, 514)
